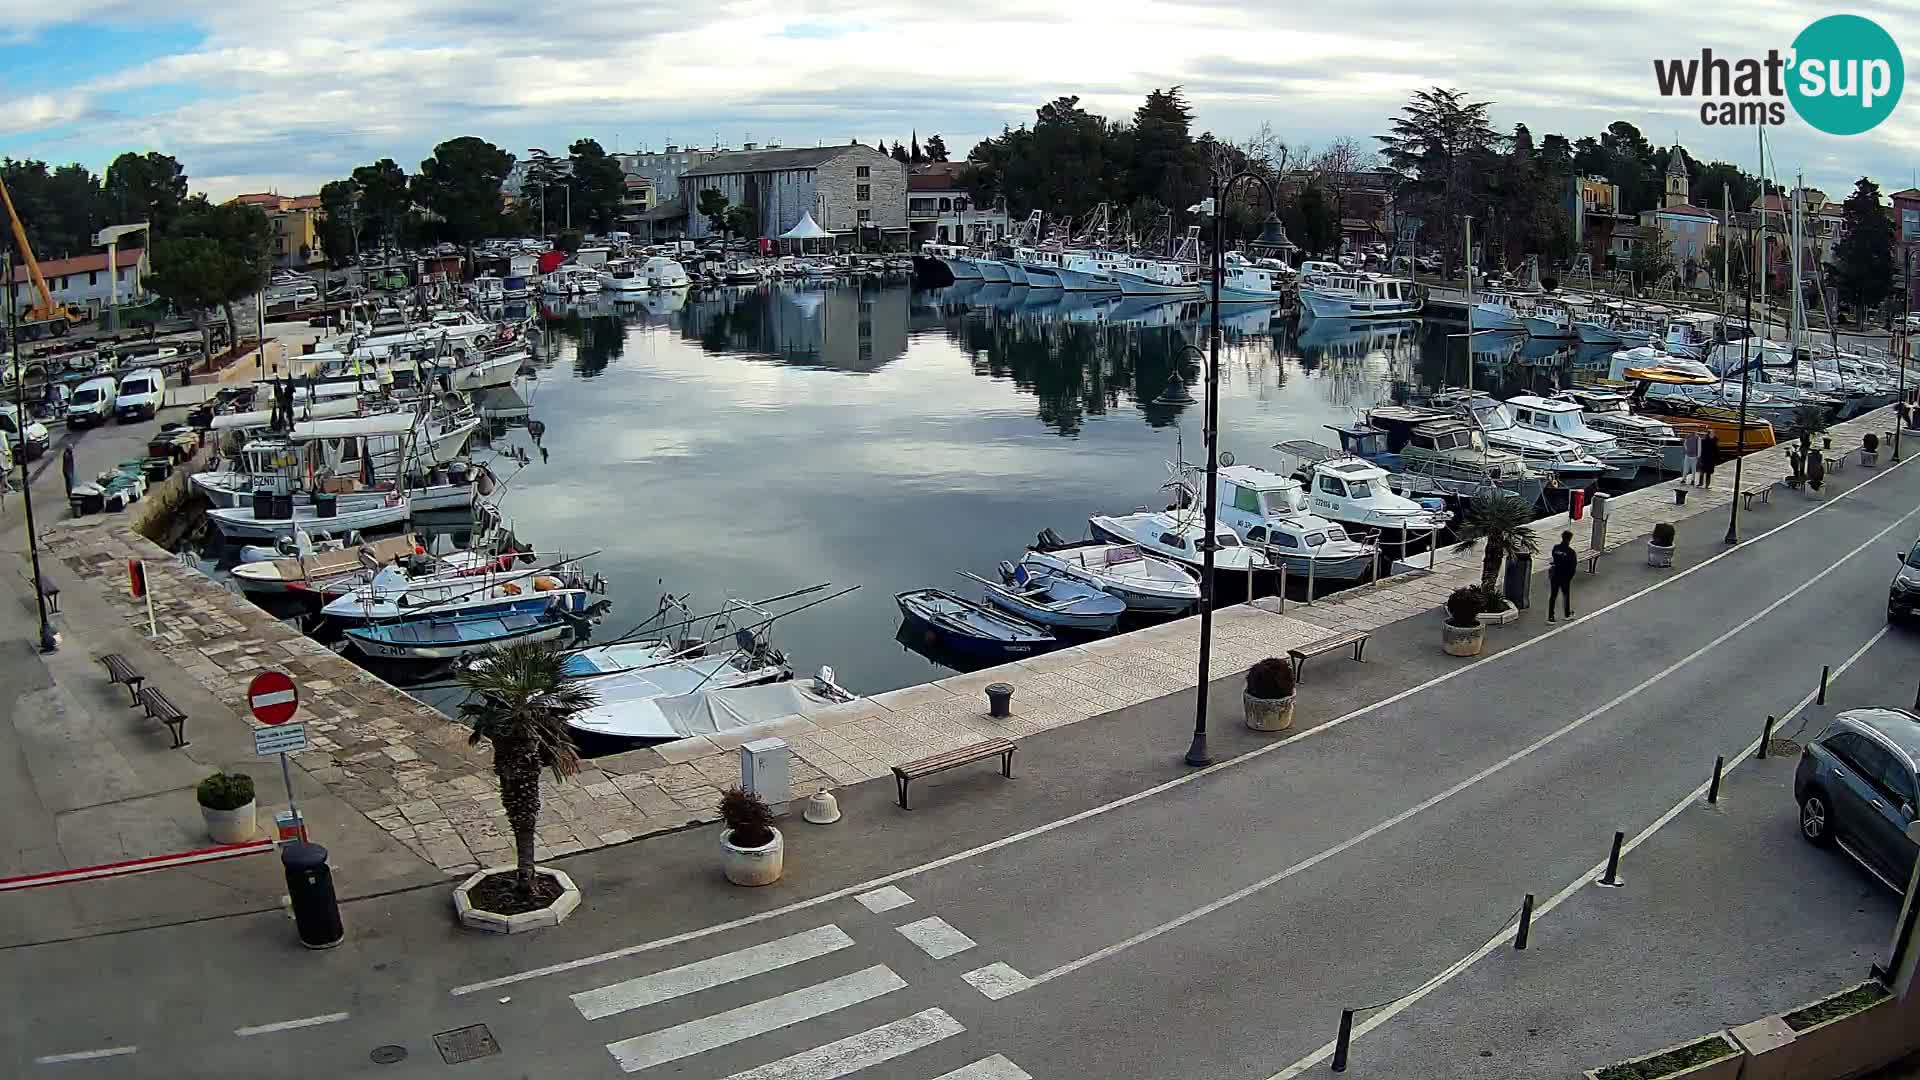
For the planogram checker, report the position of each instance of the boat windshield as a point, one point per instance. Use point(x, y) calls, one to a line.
point(1227, 540)
point(1285, 500)
point(1360, 489)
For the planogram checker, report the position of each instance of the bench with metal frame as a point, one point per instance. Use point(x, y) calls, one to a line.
point(160, 708)
point(1764, 493)
point(953, 759)
point(1355, 638)
point(121, 672)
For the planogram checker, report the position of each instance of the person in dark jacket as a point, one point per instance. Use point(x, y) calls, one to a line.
point(1709, 458)
point(1560, 575)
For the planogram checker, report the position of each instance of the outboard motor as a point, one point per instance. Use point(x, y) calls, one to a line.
point(1048, 540)
point(1006, 572)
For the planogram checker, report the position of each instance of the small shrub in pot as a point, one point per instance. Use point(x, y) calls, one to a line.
point(1870, 442)
point(752, 851)
point(225, 791)
point(1660, 545)
point(1464, 606)
point(1270, 679)
point(748, 818)
point(1663, 534)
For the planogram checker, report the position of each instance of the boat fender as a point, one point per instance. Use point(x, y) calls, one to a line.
point(510, 589)
point(544, 583)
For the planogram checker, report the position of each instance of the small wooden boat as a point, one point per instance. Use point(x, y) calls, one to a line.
point(1145, 582)
point(454, 636)
point(299, 573)
point(1053, 600)
point(944, 620)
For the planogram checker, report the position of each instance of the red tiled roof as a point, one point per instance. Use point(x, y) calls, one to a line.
point(934, 182)
point(264, 198)
point(1687, 210)
point(80, 264)
point(1910, 193)
point(302, 202)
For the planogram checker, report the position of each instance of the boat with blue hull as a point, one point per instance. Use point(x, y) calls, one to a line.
point(945, 621)
point(1052, 600)
point(452, 637)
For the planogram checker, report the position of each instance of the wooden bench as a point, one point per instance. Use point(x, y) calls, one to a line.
point(163, 710)
point(1763, 493)
point(1593, 560)
point(1355, 638)
point(119, 671)
point(953, 759)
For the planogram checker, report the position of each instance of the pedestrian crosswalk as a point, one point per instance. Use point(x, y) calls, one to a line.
point(676, 1049)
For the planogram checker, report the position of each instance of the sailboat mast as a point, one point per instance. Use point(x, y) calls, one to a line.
point(1765, 324)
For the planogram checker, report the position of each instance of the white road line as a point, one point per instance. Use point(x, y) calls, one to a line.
point(1139, 796)
point(85, 1055)
point(1431, 801)
point(289, 1025)
point(1504, 937)
point(886, 899)
point(996, 981)
point(990, 1068)
point(855, 1052)
point(936, 937)
point(720, 1029)
point(706, 974)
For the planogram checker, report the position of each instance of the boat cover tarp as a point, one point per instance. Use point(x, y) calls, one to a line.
point(705, 712)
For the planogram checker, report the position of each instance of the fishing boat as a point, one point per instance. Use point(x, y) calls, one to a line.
point(1178, 535)
point(322, 518)
point(1039, 264)
point(1052, 600)
point(1563, 459)
point(1565, 420)
point(1359, 295)
point(1607, 411)
point(992, 270)
point(403, 591)
point(451, 637)
point(1429, 453)
point(621, 276)
point(1357, 493)
point(307, 569)
point(943, 620)
point(1245, 283)
point(1269, 512)
point(1691, 334)
point(1157, 277)
point(1088, 271)
point(1145, 583)
point(635, 715)
point(1552, 319)
point(955, 257)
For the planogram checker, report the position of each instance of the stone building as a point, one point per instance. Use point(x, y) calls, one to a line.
point(847, 189)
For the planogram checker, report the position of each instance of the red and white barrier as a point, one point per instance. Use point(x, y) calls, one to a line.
point(135, 866)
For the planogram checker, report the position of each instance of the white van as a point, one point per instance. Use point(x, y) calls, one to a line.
point(140, 394)
point(92, 402)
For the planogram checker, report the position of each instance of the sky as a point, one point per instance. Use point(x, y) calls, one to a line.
point(291, 100)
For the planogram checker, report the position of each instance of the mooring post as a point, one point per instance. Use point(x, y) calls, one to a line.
point(1341, 1042)
point(1766, 737)
point(1611, 879)
point(1713, 789)
point(1825, 671)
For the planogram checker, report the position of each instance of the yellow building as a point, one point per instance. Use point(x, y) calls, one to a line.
point(1689, 231)
point(296, 227)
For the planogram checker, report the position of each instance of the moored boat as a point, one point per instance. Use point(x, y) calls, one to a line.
point(943, 620)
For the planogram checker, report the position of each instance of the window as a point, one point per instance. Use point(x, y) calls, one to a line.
point(93, 277)
point(1172, 541)
point(1226, 540)
point(863, 171)
point(1316, 539)
point(863, 193)
point(1331, 486)
point(1896, 781)
point(1284, 540)
point(946, 204)
point(1360, 489)
point(865, 215)
point(1245, 498)
point(1257, 535)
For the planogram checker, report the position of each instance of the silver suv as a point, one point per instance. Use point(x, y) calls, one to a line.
point(1855, 786)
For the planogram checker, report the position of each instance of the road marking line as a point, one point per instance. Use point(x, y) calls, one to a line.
point(289, 1025)
point(855, 1052)
point(996, 1067)
point(705, 974)
point(1124, 801)
point(996, 981)
point(758, 1018)
point(1431, 801)
point(936, 937)
point(1504, 937)
point(886, 899)
point(85, 1055)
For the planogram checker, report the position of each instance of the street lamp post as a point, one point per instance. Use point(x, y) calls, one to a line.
point(48, 643)
point(1740, 436)
point(1905, 351)
point(1197, 754)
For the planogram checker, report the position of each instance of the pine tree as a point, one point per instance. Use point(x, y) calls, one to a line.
point(913, 153)
point(900, 153)
point(1863, 262)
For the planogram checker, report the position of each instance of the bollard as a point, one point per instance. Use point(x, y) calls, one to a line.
point(1680, 496)
point(1713, 789)
point(1341, 1043)
point(1433, 546)
point(1283, 586)
point(999, 700)
point(1311, 568)
point(1526, 923)
point(1825, 671)
point(1766, 737)
point(1611, 879)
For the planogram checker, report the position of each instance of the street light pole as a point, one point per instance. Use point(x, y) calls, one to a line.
point(48, 643)
point(1740, 436)
point(1900, 411)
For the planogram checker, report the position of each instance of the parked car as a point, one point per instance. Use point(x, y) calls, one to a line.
point(1903, 592)
point(141, 394)
point(1856, 789)
point(25, 435)
point(92, 402)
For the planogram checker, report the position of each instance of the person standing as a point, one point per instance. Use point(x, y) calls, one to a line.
point(1709, 457)
point(66, 466)
point(1560, 575)
point(1692, 451)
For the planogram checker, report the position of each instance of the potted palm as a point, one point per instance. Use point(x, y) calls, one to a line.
point(1501, 523)
point(1463, 634)
point(752, 851)
point(1269, 695)
point(518, 701)
point(227, 806)
point(1660, 545)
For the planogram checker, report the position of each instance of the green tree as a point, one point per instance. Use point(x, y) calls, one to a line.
point(518, 702)
point(384, 201)
point(913, 151)
point(213, 256)
point(936, 148)
point(1443, 148)
point(1500, 521)
point(148, 187)
point(1161, 151)
point(546, 182)
point(740, 221)
point(1651, 260)
point(568, 241)
point(461, 183)
point(1311, 223)
point(60, 208)
point(1862, 266)
point(713, 207)
point(598, 185)
point(900, 153)
point(339, 220)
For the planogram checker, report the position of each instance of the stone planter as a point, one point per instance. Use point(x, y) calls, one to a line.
point(1722, 1068)
point(1659, 554)
point(493, 922)
point(1462, 640)
point(753, 866)
point(1504, 616)
point(1268, 714)
point(235, 826)
point(1845, 1045)
point(1869, 459)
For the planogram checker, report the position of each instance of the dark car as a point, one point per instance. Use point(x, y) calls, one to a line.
point(1855, 786)
point(1903, 592)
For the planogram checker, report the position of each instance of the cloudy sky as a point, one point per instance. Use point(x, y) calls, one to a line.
point(287, 97)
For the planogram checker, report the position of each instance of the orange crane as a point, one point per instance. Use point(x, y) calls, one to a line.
point(49, 316)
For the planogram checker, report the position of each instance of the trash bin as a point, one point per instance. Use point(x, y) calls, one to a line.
point(1517, 586)
point(325, 504)
point(282, 506)
point(263, 503)
point(316, 912)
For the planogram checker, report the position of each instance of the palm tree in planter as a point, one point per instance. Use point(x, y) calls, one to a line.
point(519, 701)
point(1501, 521)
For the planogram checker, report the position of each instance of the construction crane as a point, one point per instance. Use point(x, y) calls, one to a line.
point(49, 316)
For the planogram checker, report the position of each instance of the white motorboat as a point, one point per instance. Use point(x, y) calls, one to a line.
point(1179, 535)
point(570, 281)
point(438, 439)
point(310, 571)
point(1691, 334)
point(460, 588)
point(1245, 283)
point(649, 709)
point(1348, 295)
point(1430, 452)
point(1561, 458)
point(1145, 582)
point(242, 523)
point(1158, 277)
point(1565, 419)
point(622, 276)
point(660, 272)
point(1269, 512)
point(488, 371)
point(1357, 493)
point(488, 289)
point(630, 677)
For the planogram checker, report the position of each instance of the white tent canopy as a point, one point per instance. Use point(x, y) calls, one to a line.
point(806, 229)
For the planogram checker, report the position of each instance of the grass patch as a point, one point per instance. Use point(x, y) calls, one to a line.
point(1711, 1048)
point(1843, 1004)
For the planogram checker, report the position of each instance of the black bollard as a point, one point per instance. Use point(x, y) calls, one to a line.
point(1611, 879)
point(1713, 789)
point(316, 911)
point(1526, 923)
point(1766, 737)
point(1345, 1038)
point(1825, 671)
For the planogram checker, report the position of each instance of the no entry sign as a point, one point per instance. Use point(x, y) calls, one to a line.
point(272, 697)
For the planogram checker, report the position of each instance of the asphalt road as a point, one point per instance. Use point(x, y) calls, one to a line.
point(1211, 925)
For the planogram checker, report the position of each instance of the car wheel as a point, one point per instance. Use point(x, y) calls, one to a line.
point(1815, 819)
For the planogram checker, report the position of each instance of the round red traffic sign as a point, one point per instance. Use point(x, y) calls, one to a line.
point(272, 697)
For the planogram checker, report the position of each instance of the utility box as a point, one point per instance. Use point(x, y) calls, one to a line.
point(763, 771)
point(1517, 586)
point(1601, 511)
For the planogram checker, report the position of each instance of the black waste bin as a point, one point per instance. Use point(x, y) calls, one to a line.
point(325, 504)
point(282, 506)
point(310, 886)
point(1517, 586)
point(263, 503)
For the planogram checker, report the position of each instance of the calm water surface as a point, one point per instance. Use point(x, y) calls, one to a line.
point(750, 442)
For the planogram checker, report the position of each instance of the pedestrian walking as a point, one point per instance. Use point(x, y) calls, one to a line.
point(1709, 457)
point(1560, 575)
point(66, 466)
point(1692, 451)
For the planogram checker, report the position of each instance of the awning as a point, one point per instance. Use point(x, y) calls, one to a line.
point(807, 229)
point(356, 426)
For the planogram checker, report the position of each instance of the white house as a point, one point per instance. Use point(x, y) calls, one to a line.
point(82, 282)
